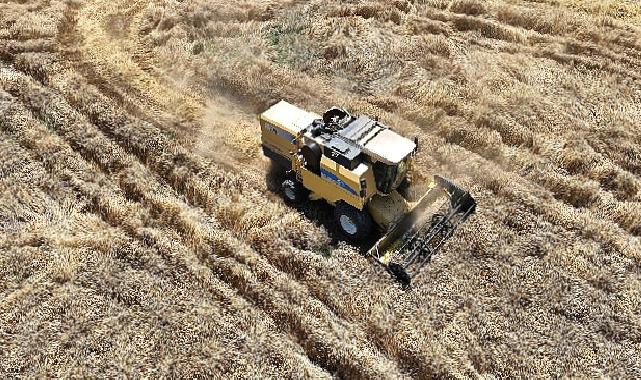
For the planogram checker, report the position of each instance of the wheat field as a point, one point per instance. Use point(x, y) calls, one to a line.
point(142, 233)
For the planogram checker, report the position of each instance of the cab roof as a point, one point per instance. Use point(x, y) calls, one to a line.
point(390, 146)
point(378, 140)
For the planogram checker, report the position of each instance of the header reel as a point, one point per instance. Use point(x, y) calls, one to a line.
point(411, 243)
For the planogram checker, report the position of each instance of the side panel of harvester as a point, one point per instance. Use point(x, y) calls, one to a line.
point(282, 129)
point(277, 141)
point(337, 183)
point(281, 126)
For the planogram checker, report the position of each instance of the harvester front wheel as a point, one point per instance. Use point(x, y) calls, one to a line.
point(294, 191)
point(355, 224)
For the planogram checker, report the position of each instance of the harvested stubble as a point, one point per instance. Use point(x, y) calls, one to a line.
point(135, 254)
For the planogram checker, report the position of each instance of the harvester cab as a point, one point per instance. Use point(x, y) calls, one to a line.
point(364, 169)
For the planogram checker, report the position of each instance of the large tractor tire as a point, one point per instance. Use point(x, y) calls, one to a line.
point(354, 224)
point(294, 191)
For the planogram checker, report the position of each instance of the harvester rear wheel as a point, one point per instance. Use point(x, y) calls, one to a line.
point(294, 191)
point(355, 224)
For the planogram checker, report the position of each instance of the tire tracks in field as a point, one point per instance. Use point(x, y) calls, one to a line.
point(264, 293)
point(59, 159)
point(41, 78)
point(133, 232)
point(282, 265)
point(602, 56)
point(10, 47)
point(39, 171)
point(123, 79)
point(24, 204)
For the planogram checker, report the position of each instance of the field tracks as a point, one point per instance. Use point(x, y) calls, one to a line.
point(197, 192)
point(24, 61)
point(114, 166)
point(117, 217)
point(125, 218)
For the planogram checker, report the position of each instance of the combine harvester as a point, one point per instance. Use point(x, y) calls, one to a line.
point(364, 169)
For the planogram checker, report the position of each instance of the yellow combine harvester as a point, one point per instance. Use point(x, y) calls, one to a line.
point(363, 168)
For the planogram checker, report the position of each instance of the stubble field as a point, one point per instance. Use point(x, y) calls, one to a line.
point(141, 232)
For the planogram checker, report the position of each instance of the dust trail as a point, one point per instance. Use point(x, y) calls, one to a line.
point(228, 134)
